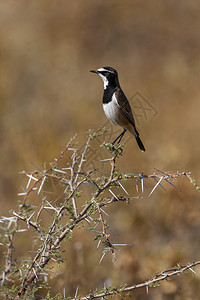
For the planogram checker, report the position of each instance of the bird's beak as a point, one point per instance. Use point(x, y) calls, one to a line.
point(94, 71)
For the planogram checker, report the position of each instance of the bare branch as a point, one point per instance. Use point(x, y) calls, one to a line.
point(66, 216)
point(153, 281)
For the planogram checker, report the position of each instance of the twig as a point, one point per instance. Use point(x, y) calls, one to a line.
point(153, 281)
point(8, 264)
point(51, 237)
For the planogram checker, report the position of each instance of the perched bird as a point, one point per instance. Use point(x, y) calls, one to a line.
point(116, 105)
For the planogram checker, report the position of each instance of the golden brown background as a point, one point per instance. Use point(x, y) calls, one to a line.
point(47, 94)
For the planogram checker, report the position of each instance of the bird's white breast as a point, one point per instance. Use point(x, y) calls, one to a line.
point(111, 110)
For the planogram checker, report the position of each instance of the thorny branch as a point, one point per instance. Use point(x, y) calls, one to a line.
point(9, 261)
point(153, 281)
point(67, 217)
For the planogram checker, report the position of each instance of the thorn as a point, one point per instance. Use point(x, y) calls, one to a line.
point(92, 230)
point(192, 270)
point(113, 231)
point(136, 185)
point(51, 207)
point(101, 172)
point(122, 187)
point(113, 194)
point(107, 159)
point(3, 278)
point(36, 193)
point(142, 184)
point(22, 194)
point(37, 168)
point(65, 191)
point(15, 214)
point(122, 245)
point(41, 185)
point(59, 171)
point(9, 219)
point(161, 171)
point(86, 219)
point(104, 212)
point(29, 181)
point(35, 273)
point(53, 259)
point(173, 185)
point(160, 184)
point(102, 257)
point(29, 219)
point(72, 149)
point(147, 289)
point(99, 242)
point(76, 292)
point(156, 186)
point(21, 230)
point(31, 177)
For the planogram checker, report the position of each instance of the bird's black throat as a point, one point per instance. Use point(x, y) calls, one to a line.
point(108, 93)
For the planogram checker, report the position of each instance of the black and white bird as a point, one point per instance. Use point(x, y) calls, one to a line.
point(116, 105)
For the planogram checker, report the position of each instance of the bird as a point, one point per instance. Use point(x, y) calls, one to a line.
point(116, 106)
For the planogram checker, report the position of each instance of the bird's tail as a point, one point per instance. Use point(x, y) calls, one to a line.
point(134, 131)
point(140, 144)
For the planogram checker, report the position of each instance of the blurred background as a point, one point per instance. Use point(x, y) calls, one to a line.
point(47, 95)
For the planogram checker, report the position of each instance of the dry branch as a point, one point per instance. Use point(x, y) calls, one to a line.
point(69, 214)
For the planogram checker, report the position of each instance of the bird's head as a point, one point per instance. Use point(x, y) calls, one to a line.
point(108, 75)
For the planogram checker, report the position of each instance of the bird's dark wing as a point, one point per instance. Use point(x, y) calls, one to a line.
point(126, 110)
point(125, 106)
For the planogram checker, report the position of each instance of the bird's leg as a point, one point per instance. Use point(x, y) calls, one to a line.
point(122, 134)
point(119, 138)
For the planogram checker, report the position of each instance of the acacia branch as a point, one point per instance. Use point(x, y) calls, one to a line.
point(8, 261)
point(153, 281)
point(50, 238)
